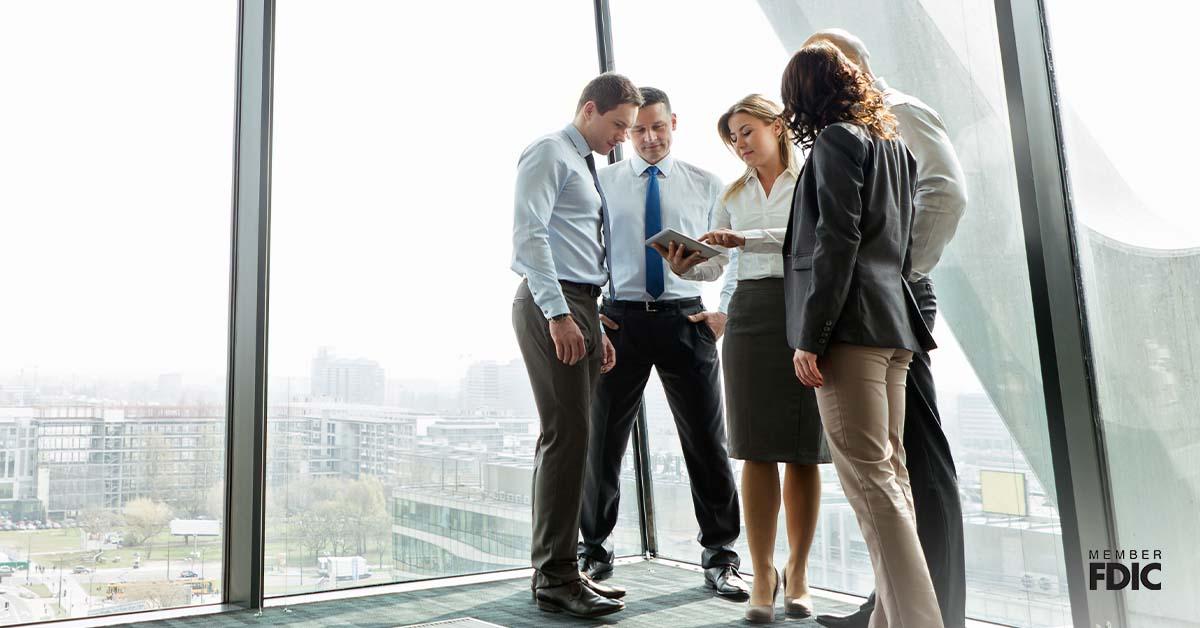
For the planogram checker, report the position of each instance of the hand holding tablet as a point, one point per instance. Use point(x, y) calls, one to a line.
point(665, 237)
point(682, 252)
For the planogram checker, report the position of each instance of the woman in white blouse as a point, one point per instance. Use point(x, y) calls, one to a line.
point(772, 417)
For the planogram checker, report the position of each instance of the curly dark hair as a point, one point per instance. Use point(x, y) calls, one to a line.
point(821, 86)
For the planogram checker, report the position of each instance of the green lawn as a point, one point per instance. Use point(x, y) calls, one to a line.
point(51, 547)
point(40, 541)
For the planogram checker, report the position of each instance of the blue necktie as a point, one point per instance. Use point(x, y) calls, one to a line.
point(654, 261)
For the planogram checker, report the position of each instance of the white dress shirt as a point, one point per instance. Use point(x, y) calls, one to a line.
point(556, 222)
point(760, 218)
point(941, 196)
point(688, 196)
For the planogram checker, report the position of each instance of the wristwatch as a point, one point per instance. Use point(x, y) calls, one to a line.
point(559, 317)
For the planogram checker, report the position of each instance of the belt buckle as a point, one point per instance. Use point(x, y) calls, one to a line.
point(650, 306)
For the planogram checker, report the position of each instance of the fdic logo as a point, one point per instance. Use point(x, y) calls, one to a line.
point(1108, 566)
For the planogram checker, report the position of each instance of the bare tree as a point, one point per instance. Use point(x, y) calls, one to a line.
point(99, 522)
point(159, 594)
point(145, 518)
point(363, 503)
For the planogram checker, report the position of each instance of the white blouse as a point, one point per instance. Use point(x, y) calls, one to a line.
point(760, 218)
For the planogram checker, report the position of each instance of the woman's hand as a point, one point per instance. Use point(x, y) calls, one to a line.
point(678, 257)
point(727, 238)
point(807, 372)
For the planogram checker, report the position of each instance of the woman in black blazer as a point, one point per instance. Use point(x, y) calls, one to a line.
point(852, 321)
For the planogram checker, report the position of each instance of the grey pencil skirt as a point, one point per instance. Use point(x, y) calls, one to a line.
point(771, 416)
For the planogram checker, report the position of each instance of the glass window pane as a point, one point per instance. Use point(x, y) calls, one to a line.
point(116, 158)
point(989, 390)
point(1137, 229)
point(402, 425)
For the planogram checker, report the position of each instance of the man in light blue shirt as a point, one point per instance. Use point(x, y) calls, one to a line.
point(656, 319)
point(558, 246)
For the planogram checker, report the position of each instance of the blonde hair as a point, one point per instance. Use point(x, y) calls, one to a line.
point(762, 108)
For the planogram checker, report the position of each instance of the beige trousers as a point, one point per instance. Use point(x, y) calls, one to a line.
point(862, 409)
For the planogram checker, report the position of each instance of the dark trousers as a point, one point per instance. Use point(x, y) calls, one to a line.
point(934, 480)
point(685, 356)
point(563, 395)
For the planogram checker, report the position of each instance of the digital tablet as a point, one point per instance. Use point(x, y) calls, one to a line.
point(666, 236)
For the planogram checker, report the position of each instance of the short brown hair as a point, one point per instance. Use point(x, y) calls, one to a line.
point(821, 86)
point(609, 91)
point(653, 96)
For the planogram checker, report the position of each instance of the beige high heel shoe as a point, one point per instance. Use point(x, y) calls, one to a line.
point(761, 613)
point(792, 605)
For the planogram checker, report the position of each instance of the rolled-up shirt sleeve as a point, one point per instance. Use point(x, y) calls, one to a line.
point(769, 241)
point(541, 174)
point(941, 196)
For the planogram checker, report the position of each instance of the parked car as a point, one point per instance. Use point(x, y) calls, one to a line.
point(5, 570)
point(81, 569)
point(188, 573)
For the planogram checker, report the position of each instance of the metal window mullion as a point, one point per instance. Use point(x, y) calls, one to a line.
point(246, 407)
point(641, 438)
point(1076, 443)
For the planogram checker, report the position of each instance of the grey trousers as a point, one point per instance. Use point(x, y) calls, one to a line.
point(563, 395)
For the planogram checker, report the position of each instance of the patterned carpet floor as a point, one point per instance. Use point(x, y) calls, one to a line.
point(660, 596)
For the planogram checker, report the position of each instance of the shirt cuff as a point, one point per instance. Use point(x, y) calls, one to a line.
point(555, 307)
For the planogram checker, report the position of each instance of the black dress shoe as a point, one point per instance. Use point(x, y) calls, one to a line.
point(858, 619)
point(575, 599)
point(595, 569)
point(727, 582)
point(610, 591)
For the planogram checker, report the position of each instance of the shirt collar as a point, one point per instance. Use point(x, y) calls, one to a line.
point(639, 165)
point(881, 84)
point(581, 145)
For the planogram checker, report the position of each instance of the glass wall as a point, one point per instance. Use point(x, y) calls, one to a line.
point(1137, 230)
point(402, 426)
point(708, 55)
point(115, 164)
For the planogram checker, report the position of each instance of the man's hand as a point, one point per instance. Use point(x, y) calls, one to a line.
point(715, 321)
point(727, 238)
point(610, 355)
point(678, 257)
point(568, 340)
point(807, 372)
point(609, 323)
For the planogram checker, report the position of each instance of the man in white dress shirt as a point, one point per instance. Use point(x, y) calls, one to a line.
point(940, 201)
point(656, 319)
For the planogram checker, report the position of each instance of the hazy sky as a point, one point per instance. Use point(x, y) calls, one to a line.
point(396, 139)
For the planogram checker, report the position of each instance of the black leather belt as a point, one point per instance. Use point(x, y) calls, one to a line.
point(669, 305)
point(589, 289)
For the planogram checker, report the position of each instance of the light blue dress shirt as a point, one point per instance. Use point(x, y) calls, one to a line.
point(689, 197)
point(556, 222)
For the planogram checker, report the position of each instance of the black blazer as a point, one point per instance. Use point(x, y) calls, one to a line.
point(849, 243)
